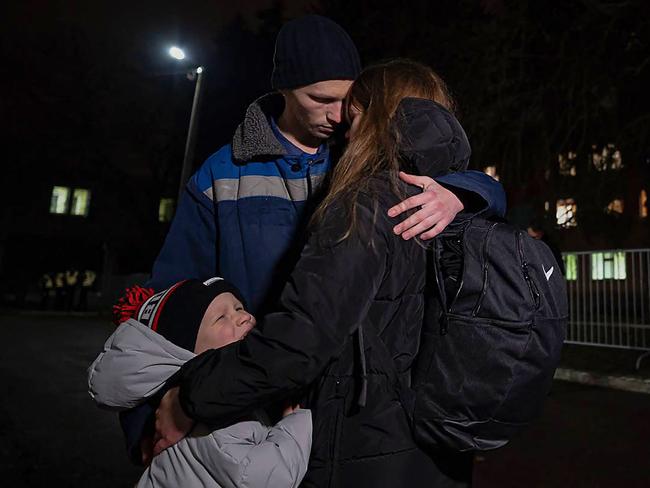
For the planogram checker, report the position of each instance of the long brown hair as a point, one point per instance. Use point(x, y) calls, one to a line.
point(373, 148)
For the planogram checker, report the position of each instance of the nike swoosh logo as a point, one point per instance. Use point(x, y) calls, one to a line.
point(548, 273)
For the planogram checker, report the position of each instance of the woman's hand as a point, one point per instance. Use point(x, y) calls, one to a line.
point(171, 422)
point(438, 207)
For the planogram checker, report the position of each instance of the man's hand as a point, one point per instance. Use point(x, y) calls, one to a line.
point(438, 207)
point(171, 422)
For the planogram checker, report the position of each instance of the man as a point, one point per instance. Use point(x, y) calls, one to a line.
point(244, 211)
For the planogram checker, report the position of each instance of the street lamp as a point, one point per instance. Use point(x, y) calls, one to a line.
point(190, 143)
point(176, 53)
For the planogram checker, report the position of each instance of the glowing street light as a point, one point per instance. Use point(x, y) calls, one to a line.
point(195, 74)
point(176, 53)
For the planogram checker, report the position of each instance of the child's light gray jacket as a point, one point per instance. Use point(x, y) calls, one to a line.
point(135, 364)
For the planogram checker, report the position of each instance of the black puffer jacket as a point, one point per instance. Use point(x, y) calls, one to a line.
point(347, 324)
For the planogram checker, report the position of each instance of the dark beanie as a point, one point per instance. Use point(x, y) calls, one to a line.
point(312, 49)
point(176, 312)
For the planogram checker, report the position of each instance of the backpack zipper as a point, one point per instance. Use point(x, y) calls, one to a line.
point(460, 237)
point(436, 252)
point(486, 266)
point(534, 293)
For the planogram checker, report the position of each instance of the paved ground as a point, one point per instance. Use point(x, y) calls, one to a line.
point(587, 437)
point(52, 435)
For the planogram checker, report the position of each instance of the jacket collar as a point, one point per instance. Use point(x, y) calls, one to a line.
point(254, 138)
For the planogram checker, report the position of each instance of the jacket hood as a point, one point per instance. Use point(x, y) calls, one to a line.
point(254, 138)
point(134, 365)
point(432, 141)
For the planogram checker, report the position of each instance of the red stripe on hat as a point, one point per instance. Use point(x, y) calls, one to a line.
point(159, 307)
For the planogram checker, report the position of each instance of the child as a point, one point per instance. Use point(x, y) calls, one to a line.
point(154, 339)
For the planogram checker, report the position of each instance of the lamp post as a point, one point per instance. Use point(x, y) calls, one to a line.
point(195, 74)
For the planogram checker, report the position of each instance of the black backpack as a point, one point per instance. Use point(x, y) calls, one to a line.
point(495, 321)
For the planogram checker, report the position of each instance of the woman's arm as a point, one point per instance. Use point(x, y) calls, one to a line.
point(327, 295)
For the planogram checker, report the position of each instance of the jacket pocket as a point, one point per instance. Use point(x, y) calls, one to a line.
point(473, 364)
point(472, 370)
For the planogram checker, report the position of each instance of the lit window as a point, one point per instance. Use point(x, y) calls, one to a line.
point(492, 171)
point(565, 212)
point(571, 266)
point(80, 202)
point(59, 200)
point(615, 207)
point(567, 163)
point(608, 266)
point(166, 210)
point(643, 204)
point(608, 158)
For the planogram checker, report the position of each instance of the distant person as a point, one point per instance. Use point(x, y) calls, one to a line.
point(162, 333)
point(71, 282)
point(59, 291)
point(537, 230)
point(46, 286)
point(87, 282)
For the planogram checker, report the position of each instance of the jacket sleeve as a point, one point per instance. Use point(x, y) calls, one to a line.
point(190, 248)
point(485, 190)
point(261, 456)
point(327, 295)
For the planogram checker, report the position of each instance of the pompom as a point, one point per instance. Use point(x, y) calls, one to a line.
point(128, 305)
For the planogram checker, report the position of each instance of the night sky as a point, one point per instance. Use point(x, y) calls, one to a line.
point(138, 32)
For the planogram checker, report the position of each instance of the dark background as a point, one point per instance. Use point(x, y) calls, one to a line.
point(90, 99)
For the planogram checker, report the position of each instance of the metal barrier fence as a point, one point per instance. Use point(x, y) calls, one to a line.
point(609, 298)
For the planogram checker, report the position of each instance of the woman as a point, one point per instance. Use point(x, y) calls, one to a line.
point(346, 329)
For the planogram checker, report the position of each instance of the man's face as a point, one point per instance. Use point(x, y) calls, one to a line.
point(225, 321)
point(318, 107)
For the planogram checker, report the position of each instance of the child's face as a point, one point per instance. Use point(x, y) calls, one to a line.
point(225, 321)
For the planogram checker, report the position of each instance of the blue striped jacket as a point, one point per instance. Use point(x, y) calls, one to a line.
point(243, 212)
